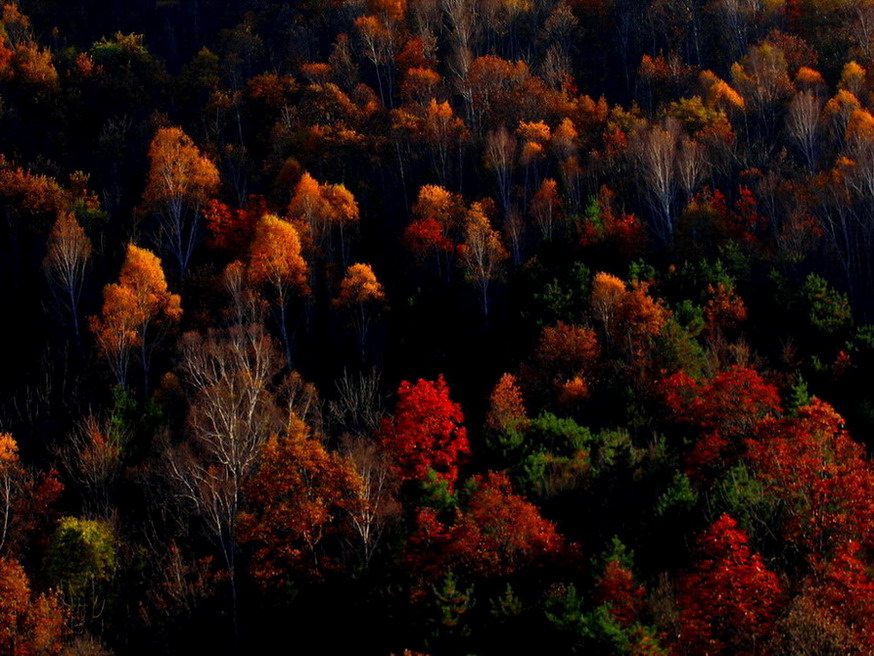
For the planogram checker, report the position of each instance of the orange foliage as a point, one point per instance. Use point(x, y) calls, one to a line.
point(178, 172)
point(275, 256)
point(506, 407)
point(629, 316)
point(360, 286)
point(295, 500)
point(725, 310)
point(566, 356)
point(29, 624)
point(137, 301)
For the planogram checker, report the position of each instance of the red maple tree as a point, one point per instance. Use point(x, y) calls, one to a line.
point(426, 432)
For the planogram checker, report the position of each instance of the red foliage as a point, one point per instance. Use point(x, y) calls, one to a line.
point(500, 531)
point(232, 229)
point(733, 403)
point(846, 590)
point(617, 588)
point(424, 237)
point(623, 231)
point(744, 221)
point(823, 477)
point(729, 602)
point(725, 409)
point(426, 432)
point(426, 546)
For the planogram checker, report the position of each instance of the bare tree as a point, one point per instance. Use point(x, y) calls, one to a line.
point(655, 151)
point(69, 251)
point(500, 156)
point(378, 506)
point(91, 457)
point(802, 125)
point(233, 410)
point(691, 165)
point(359, 403)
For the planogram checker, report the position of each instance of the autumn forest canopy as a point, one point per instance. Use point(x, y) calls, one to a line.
point(425, 327)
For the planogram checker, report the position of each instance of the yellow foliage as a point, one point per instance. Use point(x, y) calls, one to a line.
point(360, 286)
point(178, 172)
point(275, 256)
point(435, 202)
point(852, 78)
point(861, 127)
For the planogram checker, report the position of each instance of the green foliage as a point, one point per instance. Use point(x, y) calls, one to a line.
point(642, 271)
point(828, 310)
point(507, 606)
point(595, 631)
point(616, 551)
point(564, 610)
point(451, 605)
point(592, 215)
point(125, 47)
point(436, 493)
point(565, 300)
point(677, 349)
point(797, 397)
point(696, 277)
point(614, 448)
point(132, 421)
point(508, 445)
point(559, 435)
point(546, 475)
point(690, 317)
point(81, 556)
point(693, 114)
point(736, 261)
point(743, 496)
point(679, 497)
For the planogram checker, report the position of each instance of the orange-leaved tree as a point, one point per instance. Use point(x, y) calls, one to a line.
point(29, 623)
point(301, 494)
point(181, 179)
point(275, 261)
point(137, 311)
point(482, 253)
point(500, 531)
point(362, 295)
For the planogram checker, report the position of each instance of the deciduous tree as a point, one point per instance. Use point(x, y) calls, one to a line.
point(729, 602)
point(426, 432)
point(137, 311)
point(363, 296)
point(482, 253)
point(181, 179)
point(275, 260)
point(300, 494)
point(69, 251)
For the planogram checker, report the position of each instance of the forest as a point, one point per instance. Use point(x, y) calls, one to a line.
point(436, 327)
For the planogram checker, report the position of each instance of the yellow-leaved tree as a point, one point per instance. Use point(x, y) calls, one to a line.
point(483, 253)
